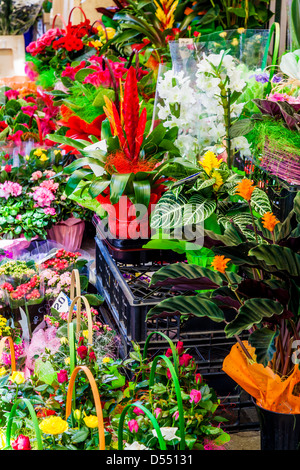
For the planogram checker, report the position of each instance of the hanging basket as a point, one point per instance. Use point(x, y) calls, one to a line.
point(278, 162)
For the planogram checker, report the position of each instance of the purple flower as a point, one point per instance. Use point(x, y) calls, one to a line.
point(261, 77)
point(276, 79)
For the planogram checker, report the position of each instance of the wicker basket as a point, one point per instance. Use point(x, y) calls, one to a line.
point(277, 162)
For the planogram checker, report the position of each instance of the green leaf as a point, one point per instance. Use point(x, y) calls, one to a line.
point(260, 201)
point(242, 127)
point(278, 258)
point(98, 186)
point(142, 192)
point(80, 163)
point(179, 274)
point(197, 210)
point(252, 312)
point(117, 186)
point(263, 340)
point(187, 305)
point(81, 435)
point(74, 180)
point(81, 74)
point(168, 211)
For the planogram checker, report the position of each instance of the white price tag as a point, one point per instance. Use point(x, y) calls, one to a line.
point(101, 145)
point(62, 303)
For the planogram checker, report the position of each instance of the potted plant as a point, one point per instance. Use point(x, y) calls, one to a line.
point(124, 165)
point(264, 302)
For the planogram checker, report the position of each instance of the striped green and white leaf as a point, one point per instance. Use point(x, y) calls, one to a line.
point(197, 210)
point(260, 202)
point(168, 211)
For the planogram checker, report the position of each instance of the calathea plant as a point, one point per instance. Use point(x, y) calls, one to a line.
point(262, 299)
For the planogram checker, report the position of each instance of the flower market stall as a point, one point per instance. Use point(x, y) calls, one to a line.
point(149, 228)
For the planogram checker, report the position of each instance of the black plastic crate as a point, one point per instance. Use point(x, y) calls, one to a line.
point(126, 289)
point(131, 251)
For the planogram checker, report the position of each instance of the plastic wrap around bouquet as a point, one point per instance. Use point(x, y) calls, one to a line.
point(188, 94)
point(270, 391)
point(17, 16)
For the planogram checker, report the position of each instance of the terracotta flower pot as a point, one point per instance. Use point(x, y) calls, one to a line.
point(68, 233)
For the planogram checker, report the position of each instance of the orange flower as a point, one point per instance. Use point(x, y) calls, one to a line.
point(220, 263)
point(269, 221)
point(245, 189)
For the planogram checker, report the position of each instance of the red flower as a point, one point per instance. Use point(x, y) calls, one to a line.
point(180, 347)
point(82, 352)
point(21, 443)
point(92, 356)
point(62, 376)
point(198, 378)
point(44, 412)
point(185, 359)
point(7, 168)
point(3, 125)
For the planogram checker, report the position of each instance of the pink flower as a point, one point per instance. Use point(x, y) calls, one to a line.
point(30, 110)
point(36, 175)
point(49, 173)
point(62, 376)
point(169, 375)
point(157, 412)
point(43, 197)
point(11, 94)
point(50, 211)
point(9, 188)
point(49, 184)
point(18, 217)
point(16, 137)
point(7, 168)
point(133, 425)
point(210, 445)
point(195, 396)
point(21, 443)
point(175, 415)
point(138, 411)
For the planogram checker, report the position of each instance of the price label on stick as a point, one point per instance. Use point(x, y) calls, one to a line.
point(62, 303)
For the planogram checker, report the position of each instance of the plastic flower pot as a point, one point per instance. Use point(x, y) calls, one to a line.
point(69, 233)
point(278, 431)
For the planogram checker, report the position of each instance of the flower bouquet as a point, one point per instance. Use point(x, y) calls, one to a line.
point(17, 15)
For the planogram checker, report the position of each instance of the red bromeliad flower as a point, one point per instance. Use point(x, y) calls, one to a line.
point(127, 123)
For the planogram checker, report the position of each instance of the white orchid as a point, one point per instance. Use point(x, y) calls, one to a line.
point(290, 64)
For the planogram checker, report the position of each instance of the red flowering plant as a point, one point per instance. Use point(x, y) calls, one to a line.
point(60, 46)
point(26, 114)
point(128, 166)
point(203, 429)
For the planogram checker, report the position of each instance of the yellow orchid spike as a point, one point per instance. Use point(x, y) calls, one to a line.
point(109, 113)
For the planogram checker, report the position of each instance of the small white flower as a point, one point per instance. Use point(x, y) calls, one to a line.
point(168, 433)
point(135, 446)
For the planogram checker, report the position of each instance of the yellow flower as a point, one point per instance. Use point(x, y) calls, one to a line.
point(245, 189)
point(223, 34)
point(209, 162)
point(44, 158)
point(27, 157)
point(235, 42)
point(56, 152)
point(220, 263)
point(106, 359)
point(38, 152)
point(53, 425)
point(64, 340)
point(165, 13)
point(219, 180)
point(2, 440)
point(17, 377)
point(3, 371)
point(91, 421)
point(269, 221)
point(241, 30)
point(85, 334)
point(67, 361)
point(77, 414)
point(97, 44)
point(108, 32)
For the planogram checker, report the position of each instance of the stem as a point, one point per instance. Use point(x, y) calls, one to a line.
point(254, 226)
point(28, 320)
point(243, 347)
